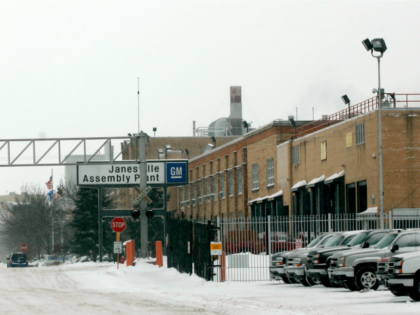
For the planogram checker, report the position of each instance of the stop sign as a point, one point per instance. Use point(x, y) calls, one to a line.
point(118, 225)
point(23, 247)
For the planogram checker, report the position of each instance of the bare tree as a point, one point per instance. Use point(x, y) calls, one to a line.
point(30, 219)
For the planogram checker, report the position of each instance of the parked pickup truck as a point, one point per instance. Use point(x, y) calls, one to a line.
point(404, 275)
point(319, 259)
point(279, 260)
point(356, 270)
point(296, 263)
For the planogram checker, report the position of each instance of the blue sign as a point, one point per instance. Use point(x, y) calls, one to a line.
point(176, 172)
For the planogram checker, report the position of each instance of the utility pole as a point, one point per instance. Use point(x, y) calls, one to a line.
point(143, 184)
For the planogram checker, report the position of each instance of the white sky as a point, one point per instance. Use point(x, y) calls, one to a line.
point(70, 68)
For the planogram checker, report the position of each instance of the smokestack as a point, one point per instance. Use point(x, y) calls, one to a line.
point(236, 110)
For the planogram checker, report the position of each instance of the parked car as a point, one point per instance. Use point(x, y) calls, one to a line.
point(403, 275)
point(356, 270)
point(296, 263)
point(279, 260)
point(17, 260)
point(319, 259)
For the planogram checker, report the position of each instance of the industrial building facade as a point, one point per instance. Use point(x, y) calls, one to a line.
point(332, 168)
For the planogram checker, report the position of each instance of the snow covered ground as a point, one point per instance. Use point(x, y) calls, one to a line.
point(89, 288)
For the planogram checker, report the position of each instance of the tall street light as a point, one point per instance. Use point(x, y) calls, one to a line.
point(378, 45)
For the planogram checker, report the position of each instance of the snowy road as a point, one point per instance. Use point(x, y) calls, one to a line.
point(102, 289)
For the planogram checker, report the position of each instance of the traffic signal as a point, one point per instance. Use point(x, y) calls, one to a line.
point(135, 214)
point(149, 214)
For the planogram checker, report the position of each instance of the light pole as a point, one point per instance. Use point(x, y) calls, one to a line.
point(378, 45)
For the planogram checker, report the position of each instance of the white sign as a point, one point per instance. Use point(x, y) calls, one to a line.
point(119, 174)
point(118, 248)
point(216, 248)
point(298, 243)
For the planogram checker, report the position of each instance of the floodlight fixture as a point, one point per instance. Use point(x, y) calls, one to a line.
point(345, 99)
point(292, 121)
point(379, 45)
point(368, 45)
point(154, 131)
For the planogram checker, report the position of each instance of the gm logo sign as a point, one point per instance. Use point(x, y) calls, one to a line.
point(176, 172)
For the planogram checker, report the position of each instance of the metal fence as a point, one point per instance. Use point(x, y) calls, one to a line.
point(189, 246)
point(249, 243)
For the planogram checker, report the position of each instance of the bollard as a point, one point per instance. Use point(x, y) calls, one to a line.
point(159, 254)
point(223, 271)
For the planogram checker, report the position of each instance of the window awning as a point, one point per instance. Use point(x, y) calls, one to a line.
point(369, 211)
point(259, 199)
point(268, 197)
point(277, 194)
point(331, 179)
point(315, 181)
point(298, 185)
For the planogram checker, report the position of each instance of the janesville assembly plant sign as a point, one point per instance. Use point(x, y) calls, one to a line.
point(127, 173)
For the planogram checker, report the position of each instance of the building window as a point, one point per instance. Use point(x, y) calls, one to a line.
point(360, 133)
point(215, 187)
point(195, 192)
point(207, 187)
point(323, 150)
point(231, 184)
point(270, 172)
point(240, 181)
point(295, 155)
point(255, 176)
point(188, 193)
point(182, 194)
point(222, 192)
point(201, 191)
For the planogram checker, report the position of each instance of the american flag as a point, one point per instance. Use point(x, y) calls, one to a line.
point(49, 184)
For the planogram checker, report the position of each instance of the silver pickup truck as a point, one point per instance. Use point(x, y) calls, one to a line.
point(319, 259)
point(356, 270)
point(279, 260)
point(296, 263)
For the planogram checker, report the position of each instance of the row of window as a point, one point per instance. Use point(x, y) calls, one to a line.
point(222, 191)
point(360, 139)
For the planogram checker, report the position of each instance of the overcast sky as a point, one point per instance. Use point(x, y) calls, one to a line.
point(71, 68)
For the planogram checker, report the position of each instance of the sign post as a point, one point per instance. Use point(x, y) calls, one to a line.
point(118, 225)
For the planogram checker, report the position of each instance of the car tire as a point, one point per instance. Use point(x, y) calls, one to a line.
point(398, 293)
point(326, 283)
point(415, 292)
point(286, 280)
point(351, 286)
point(308, 282)
point(366, 278)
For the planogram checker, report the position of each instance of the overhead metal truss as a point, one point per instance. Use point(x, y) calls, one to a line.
point(36, 150)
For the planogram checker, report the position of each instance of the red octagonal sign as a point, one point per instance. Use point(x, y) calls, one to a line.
point(23, 247)
point(118, 225)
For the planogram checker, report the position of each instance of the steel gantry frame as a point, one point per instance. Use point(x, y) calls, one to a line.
point(7, 144)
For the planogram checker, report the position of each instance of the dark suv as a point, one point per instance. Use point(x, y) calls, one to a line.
point(17, 260)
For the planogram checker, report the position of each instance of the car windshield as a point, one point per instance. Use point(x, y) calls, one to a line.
point(315, 241)
point(334, 241)
point(386, 241)
point(348, 239)
point(358, 239)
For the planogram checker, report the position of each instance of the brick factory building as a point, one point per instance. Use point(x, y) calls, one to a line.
point(330, 166)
